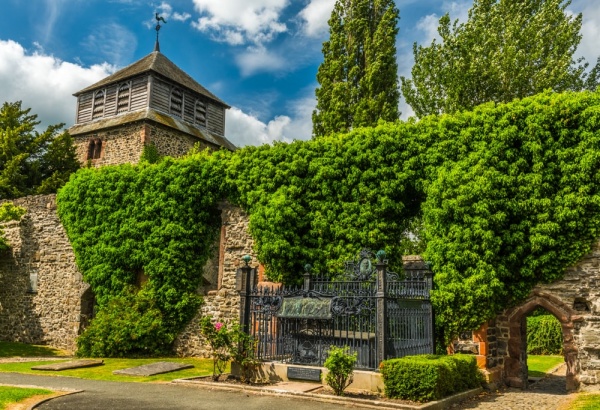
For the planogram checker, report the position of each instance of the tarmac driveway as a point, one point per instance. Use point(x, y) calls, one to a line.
point(153, 396)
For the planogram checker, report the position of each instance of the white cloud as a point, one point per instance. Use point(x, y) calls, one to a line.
point(316, 16)
point(245, 129)
point(590, 29)
point(53, 9)
point(165, 10)
point(240, 21)
point(428, 25)
point(112, 42)
point(181, 16)
point(257, 59)
point(44, 83)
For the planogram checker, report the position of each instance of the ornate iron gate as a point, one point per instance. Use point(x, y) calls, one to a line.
point(373, 311)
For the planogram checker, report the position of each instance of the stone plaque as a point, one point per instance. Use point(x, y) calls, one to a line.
point(305, 308)
point(304, 373)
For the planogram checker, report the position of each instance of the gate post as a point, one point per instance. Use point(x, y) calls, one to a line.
point(306, 276)
point(244, 286)
point(380, 296)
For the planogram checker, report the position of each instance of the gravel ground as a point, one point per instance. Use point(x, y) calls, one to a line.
point(549, 393)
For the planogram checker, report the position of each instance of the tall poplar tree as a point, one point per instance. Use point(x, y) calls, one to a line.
point(358, 77)
point(507, 49)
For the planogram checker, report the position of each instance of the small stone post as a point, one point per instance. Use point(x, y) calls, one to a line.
point(380, 296)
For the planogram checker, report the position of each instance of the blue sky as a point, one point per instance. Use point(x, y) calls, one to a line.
point(259, 56)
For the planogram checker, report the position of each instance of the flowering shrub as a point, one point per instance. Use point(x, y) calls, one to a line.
point(220, 341)
point(228, 342)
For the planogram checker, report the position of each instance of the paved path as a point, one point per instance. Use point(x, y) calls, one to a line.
point(154, 396)
point(549, 393)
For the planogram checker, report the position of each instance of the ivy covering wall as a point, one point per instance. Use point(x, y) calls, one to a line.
point(128, 223)
point(508, 196)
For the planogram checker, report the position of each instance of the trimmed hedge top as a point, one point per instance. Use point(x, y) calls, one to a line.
point(429, 377)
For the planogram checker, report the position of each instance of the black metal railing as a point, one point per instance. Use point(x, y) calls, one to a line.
point(373, 311)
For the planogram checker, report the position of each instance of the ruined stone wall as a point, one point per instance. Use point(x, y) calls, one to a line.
point(222, 303)
point(41, 292)
point(575, 301)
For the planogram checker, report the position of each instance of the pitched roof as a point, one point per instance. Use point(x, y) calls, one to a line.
point(158, 63)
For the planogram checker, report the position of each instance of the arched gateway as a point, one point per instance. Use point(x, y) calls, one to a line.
point(501, 343)
point(513, 335)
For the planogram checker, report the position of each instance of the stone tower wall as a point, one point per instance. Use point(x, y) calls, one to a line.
point(124, 144)
point(120, 145)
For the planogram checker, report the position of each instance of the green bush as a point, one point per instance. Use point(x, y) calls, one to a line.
point(340, 364)
point(544, 335)
point(227, 341)
point(129, 325)
point(429, 377)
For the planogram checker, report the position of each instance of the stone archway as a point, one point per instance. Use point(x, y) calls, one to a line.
point(512, 326)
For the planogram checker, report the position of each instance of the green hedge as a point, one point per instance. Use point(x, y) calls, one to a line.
point(544, 335)
point(506, 196)
point(429, 377)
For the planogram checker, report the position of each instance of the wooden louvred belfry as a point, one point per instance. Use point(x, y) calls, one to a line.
point(152, 101)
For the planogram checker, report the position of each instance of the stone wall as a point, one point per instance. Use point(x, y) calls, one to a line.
point(124, 144)
point(42, 289)
point(222, 303)
point(172, 143)
point(575, 301)
point(44, 300)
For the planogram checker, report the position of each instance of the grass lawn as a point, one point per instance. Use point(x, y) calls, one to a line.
point(202, 367)
point(10, 349)
point(585, 401)
point(9, 395)
point(538, 366)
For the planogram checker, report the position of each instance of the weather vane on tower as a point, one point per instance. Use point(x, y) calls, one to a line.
point(158, 26)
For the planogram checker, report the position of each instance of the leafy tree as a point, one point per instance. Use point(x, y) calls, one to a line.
point(358, 77)
point(8, 212)
point(32, 162)
point(507, 49)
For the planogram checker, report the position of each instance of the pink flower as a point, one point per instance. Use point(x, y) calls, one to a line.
point(218, 326)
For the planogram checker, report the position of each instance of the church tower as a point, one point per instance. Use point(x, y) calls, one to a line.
point(152, 101)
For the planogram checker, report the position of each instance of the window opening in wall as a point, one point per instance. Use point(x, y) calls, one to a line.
point(200, 113)
point(33, 280)
point(176, 102)
point(94, 149)
point(123, 98)
point(99, 99)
